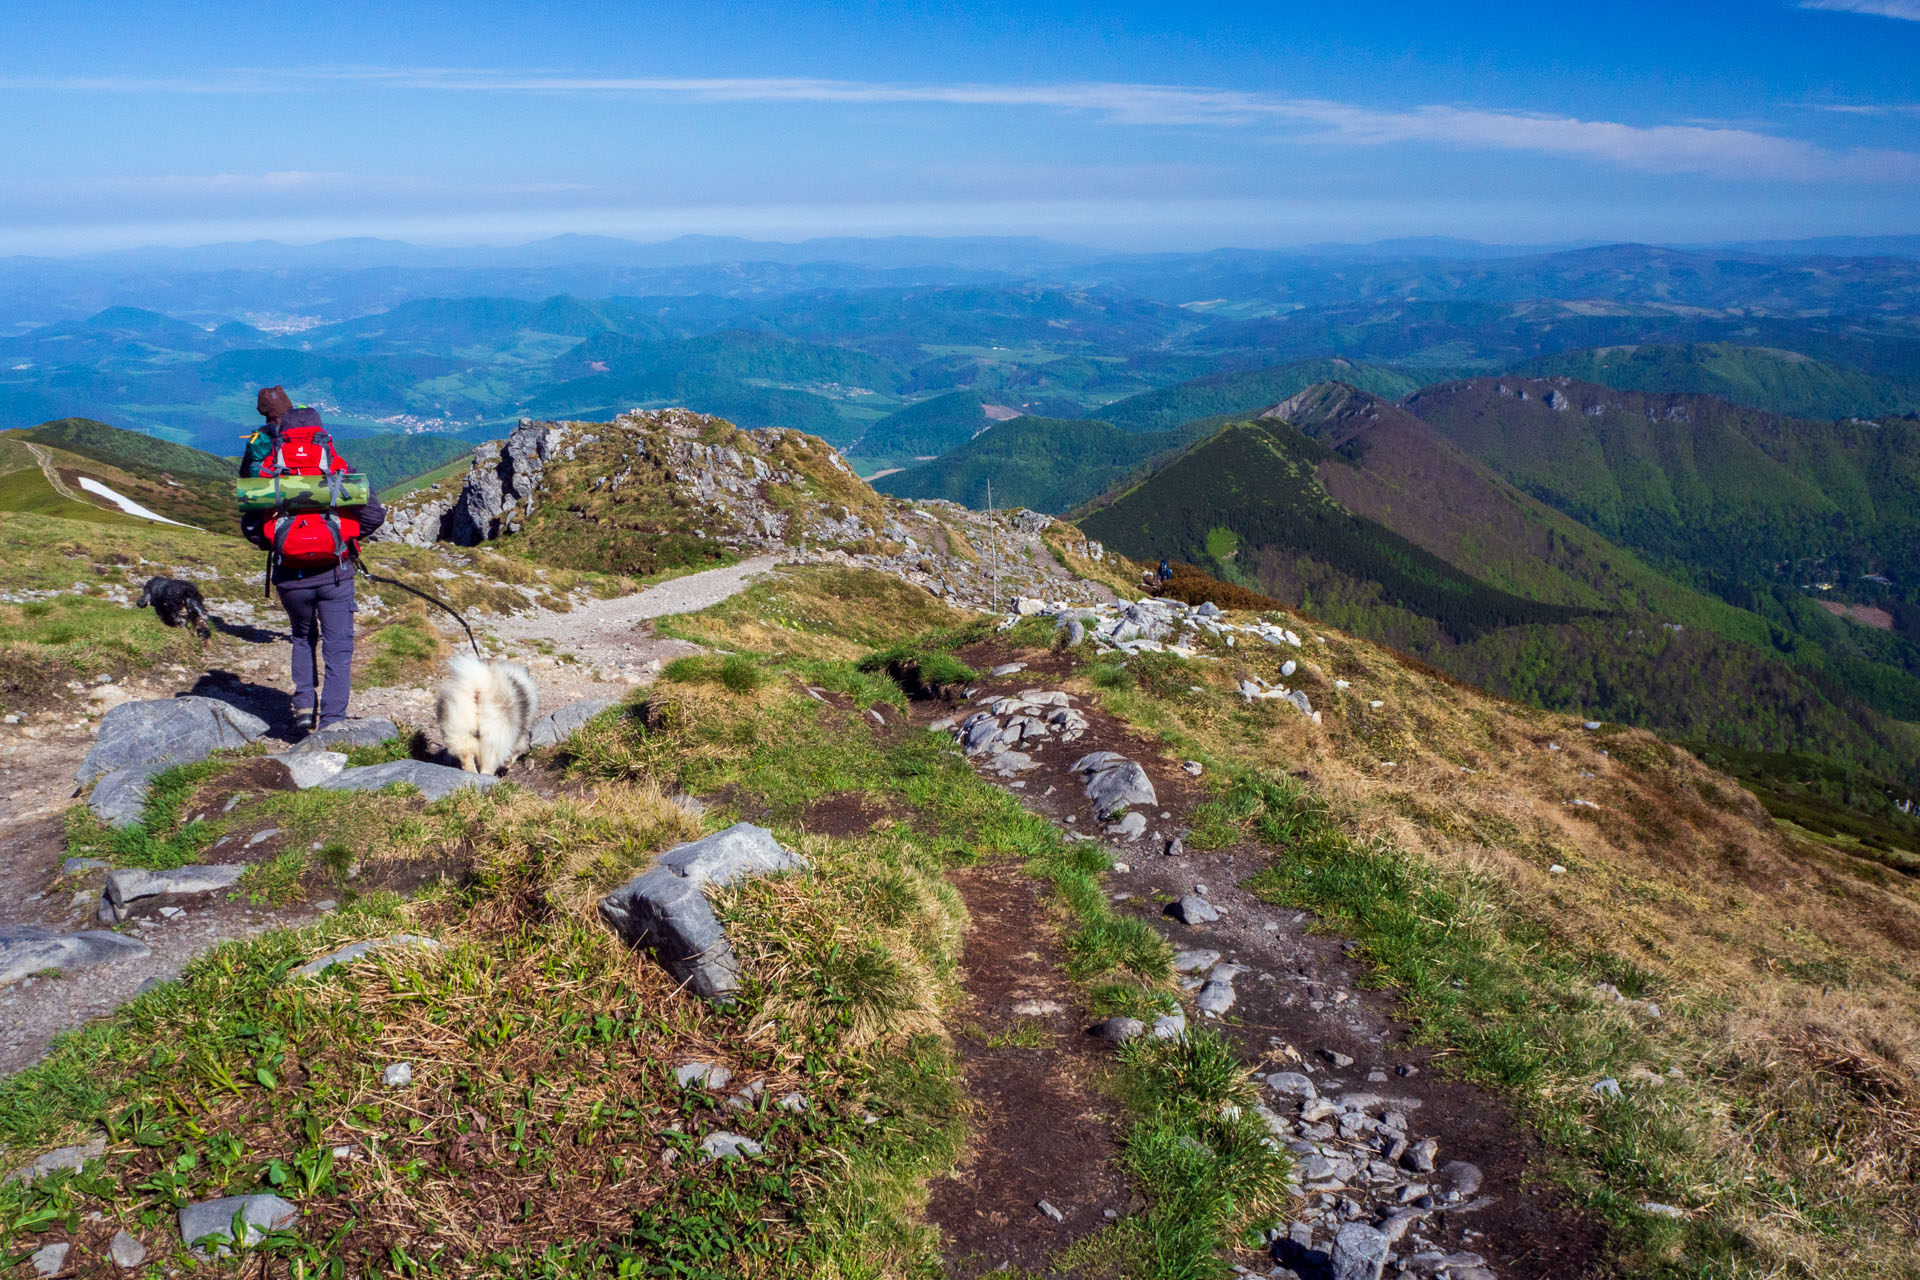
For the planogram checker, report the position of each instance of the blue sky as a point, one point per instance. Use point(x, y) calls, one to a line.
point(1127, 126)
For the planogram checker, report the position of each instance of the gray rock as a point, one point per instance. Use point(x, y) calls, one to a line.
point(669, 916)
point(1193, 909)
point(702, 1075)
point(126, 1252)
point(1194, 959)
point(727, 1146)
point(1291, 1084)
point(557, 726)
point(166, 731)
point(1076, 632)
point(370, 732)
point(1216, 997)
point(1420, 1156)
point(58, 1159)
point(727, 857)
point(310, 768)
point(498, 493)
point(1118, 1028)
point(1607, 1087)
point(435, 781)
point(27, 949)
point(1114, 782)
point(49, 1259)
point(130, 884)
point(1659, 1210)
point(1337, 1058)
point(74, 866)
point(258, 1214)
point(1359, 1252)
point(1008, 668)
point(795, 1101)
point(1460, 1178)
point(1131, 827)
point(1048, 1209)
point(118, 797)
point(1169, 1026)
point(663, 910)
point(398, 1075)
point(355, 950)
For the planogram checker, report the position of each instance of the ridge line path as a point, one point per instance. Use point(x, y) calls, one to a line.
point(601, 648)
point(52, 473)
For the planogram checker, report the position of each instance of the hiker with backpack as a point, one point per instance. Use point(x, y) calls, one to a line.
point(303, 506)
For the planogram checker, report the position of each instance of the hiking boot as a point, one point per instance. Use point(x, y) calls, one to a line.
point(307, 718)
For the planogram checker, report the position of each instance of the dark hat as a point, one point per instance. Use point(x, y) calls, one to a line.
point(273, 403)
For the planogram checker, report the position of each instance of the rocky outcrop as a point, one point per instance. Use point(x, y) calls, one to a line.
point(499, 491)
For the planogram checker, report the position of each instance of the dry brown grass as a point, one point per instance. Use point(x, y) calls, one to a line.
point(1789, 974)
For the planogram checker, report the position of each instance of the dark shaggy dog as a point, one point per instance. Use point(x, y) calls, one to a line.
point(177, 602)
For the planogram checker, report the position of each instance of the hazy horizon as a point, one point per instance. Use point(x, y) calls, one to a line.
point(1127, 128)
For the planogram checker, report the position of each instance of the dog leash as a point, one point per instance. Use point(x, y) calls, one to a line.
point(361, 565)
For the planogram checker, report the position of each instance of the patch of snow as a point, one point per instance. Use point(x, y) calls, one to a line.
point(125, 503)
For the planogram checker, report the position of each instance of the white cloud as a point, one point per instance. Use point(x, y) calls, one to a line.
point(1728, 152)
point(1906, 10)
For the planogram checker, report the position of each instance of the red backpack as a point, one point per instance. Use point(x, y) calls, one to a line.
point(307, 539)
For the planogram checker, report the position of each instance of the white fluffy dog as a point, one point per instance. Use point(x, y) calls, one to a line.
point(485, 709)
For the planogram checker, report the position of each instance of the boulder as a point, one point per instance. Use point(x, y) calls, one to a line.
point(1193, 909)
point(1114, 782)
point(26, 950)
point(669, 916)
point(356, 732)
point(257, 1214)
point(118, 797)
point(354, 951)
point(130, 884)
point(664, 911)
point(309, 768)
point(167, 731)
point(557, 726)
point(727, 857)
point(435, 781)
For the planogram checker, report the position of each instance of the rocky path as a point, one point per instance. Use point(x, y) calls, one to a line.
point(598, 650)
point(1401, 1171)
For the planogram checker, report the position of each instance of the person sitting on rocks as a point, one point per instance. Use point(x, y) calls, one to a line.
point(310, 555)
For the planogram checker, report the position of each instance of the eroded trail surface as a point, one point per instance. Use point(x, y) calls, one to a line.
point(600, 649)
point(1038, 1172)
point(1442, 1171)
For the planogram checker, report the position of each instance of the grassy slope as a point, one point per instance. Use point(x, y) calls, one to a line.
point(543, 1131)
point(1783, 382)
point(1048, 464)
point(1239, 393)
point(1773, 1101)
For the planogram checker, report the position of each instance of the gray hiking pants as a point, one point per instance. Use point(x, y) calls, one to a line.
point(320, 610)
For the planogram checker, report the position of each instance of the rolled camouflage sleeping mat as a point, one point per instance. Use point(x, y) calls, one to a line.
point(302, 493)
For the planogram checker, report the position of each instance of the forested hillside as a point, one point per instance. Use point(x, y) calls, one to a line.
point(1778, 381)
